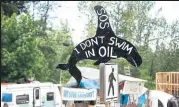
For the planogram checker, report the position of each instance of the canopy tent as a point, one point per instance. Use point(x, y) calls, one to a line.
point(128, 78)
point(92, 75)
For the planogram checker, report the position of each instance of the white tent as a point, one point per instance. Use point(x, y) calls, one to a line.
point(128, 78)
point(162, 96)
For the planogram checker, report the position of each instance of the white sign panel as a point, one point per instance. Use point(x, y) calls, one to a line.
point(111, 82)
point(74, 94)
point(132, 87)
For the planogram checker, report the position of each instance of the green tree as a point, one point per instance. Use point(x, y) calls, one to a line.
point(25, 51)
point(57, 46)
point(20, 54)
point(31, 48)
point(10, 7)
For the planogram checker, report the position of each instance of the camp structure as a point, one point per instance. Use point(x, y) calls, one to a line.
point(130, 86)
point(92, 75)
point(30, 95)
point(168, 82)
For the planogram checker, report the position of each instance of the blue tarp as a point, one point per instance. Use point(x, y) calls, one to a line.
point(124, 98)
point(142, 99)
point(89, 84)
point(6, 97)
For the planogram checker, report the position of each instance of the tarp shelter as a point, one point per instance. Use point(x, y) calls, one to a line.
point(85, 83)
point(92, 75)
point(89, 78)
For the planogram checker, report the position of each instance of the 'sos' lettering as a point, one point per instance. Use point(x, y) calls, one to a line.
point(101, 11)
point(105, 24)
point(106, 18)
point(103, 18)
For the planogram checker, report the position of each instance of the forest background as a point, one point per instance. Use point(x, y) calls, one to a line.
point(31, 46)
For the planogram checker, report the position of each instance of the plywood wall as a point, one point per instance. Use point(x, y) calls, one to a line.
point(168, 82)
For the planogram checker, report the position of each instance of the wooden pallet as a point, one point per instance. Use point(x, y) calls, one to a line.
point(168, 82)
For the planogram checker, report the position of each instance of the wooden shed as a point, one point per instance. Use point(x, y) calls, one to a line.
point(168, 82)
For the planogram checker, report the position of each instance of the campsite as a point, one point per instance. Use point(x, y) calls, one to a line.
point(89, 54)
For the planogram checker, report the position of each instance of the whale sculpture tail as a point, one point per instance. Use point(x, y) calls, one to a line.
point(74, 71)
point(63, 66)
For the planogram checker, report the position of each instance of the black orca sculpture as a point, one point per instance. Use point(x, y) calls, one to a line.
point(105, 45)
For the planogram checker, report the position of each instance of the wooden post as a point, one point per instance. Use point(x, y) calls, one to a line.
point(156, 81)
point(101, 92)
point(60, 89)
point(177, 84)
point(173, 83)
point(147, 101)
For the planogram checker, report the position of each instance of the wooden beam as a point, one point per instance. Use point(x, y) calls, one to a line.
point(156, 81)
point(175, 88)
point(171, 84)
point(178, 84)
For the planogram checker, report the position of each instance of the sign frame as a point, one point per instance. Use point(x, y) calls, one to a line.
point(103, 89)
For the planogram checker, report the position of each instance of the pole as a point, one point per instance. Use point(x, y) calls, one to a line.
point(60, 77)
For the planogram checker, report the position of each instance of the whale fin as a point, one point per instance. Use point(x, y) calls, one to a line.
point(63, 66)
point(101, 60)
point(135, 60)
point(103, 27)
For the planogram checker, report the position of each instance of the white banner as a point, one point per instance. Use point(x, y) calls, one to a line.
point(74, 94)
